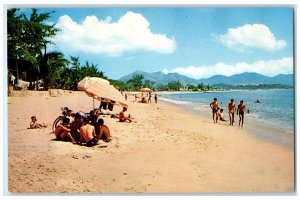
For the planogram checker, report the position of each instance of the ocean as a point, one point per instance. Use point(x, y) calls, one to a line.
point(272, 119)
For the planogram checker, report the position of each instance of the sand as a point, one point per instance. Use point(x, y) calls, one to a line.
point(165, 150)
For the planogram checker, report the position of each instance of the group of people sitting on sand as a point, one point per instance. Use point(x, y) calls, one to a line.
point(80, 128)
point(87, 129)
point(84, 129)
point(217, 112)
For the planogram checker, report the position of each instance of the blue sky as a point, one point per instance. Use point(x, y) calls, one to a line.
point(198, 42)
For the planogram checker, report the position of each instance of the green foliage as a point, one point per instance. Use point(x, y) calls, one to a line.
point(28, 37)
point(120, 85)
point(148, 84)
point(174, 85)
point(136, 82)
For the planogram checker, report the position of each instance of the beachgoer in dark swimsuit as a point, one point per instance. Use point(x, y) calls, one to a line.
point(241, 112)
point(215, 107)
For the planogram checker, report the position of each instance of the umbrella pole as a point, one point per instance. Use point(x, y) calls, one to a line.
point(93, 103)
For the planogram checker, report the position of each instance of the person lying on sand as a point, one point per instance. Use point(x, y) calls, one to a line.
point(62, 131)
point(34, 124)
point(87, 133)
point(123, 117)
point(103, 131)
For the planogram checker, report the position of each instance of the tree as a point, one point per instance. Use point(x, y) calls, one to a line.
point(148, 84)
point(208, 87)
point(56, 64)
point(201, 86)
point(14, 32)
point(136, 81)
point(28, 38)
point(174, 85)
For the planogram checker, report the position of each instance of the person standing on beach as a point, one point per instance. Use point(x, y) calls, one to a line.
point(149, 99)
point(231, 110)
point(215, 107)
point(155, 98)
point(241, 113)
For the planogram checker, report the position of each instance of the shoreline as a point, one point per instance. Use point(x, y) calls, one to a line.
point(260, 128)
point(166, 150)
point(281, 137)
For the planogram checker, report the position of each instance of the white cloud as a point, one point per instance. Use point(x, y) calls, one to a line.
point(165, 71)
point(268, 68)
point(130, 33)
point(256, 36)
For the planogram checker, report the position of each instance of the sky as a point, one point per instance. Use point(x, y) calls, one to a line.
point(198, 42)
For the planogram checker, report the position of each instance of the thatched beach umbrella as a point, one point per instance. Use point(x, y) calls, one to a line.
point(100, 89)
point(145, 90)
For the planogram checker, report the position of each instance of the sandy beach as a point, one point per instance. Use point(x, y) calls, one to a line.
point(165, 150)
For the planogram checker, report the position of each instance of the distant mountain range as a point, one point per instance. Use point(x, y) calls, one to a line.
point(239, 79)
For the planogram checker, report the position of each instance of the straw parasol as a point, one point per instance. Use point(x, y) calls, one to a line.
point(145, 90)
point(100, 89)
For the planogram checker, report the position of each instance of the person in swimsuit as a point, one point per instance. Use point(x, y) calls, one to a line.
point(215, 107)
point(34, 124)
point(62, 131)
point(231, 110)
point(103, 131)
point(124, 117)
point(221, 117)
point(241, 113)
point(87, 133)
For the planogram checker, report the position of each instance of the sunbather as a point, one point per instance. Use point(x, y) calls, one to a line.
point(34, 124)
point(124, 117)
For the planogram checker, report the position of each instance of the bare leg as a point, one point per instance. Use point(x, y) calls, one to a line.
point(58, 131)
point(68, 135)
point(242, 121)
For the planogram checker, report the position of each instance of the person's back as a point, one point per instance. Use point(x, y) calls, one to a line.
point(103, 131)
point(87, 131)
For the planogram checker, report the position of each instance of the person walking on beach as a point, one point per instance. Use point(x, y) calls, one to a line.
point(155, 98)
point(149, 99)
point(241, 113)
point(231, 110)
point(215, 107)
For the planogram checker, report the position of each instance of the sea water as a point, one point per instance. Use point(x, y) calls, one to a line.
point(272, 119)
